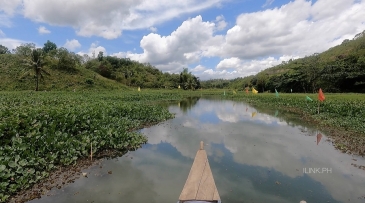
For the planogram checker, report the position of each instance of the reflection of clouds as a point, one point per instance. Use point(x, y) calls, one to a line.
point(282, 147)
point(159, 173)
point(234, 112)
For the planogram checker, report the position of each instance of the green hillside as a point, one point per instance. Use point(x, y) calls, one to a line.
point(16, 77)
point(58, 69)
point(339, 69)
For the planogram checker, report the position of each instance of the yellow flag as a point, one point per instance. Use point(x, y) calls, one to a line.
point(254, 91)
point(139, 89)
point(253, 114)
point(234, 92)
point(179, 87)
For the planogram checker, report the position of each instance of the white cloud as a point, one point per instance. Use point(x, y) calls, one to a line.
point(72, 44)
point(233, 62)
point(11, 43)
point(250, 46)
point(94, 50)
point(255, 42)
point(198, 68)
point(109, 18)
point(297, 28)
point(43, 30)
point(220, 23)
point(9, 7)
point(242, 68)
point(182, 47)
point(153, 29)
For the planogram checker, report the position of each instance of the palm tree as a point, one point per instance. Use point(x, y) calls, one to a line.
point(36, 64)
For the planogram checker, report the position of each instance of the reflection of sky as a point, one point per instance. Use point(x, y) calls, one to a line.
point(254, 159)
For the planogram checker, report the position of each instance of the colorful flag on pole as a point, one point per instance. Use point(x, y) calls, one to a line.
point(319, 137)
point(254, 91)
point(308, 98)
point(321, 95)
point(276, 93)
point(253, 114)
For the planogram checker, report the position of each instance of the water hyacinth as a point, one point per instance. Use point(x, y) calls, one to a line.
point(41, 131)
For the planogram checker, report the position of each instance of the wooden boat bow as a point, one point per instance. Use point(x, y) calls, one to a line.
point(200, 186)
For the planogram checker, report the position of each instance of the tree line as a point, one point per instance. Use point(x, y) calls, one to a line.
point(122, 70)
point(339, 69)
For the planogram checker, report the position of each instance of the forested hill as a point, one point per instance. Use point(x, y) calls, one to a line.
point(57, 69)
point(339, 69)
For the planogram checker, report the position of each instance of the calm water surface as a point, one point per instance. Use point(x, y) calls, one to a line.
point(254, 157)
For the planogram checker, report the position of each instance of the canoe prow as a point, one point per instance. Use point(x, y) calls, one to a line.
point(200, 186)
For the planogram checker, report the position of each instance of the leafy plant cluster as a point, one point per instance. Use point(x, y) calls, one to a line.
point(345, 112)
point(39, 132)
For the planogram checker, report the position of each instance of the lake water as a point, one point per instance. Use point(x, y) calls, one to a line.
point(256, 155)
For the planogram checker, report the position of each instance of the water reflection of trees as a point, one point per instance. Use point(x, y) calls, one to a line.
point(188, 103)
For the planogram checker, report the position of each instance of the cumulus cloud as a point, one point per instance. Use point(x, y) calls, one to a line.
point(72, 44)
point(297, 28)
point(258, 40)
point(9, 7)
point(198, 68)
point(234, 67)
point(43, 30)
point(220, 23)
point(94, 50)
point(233, 62)
point(11, 43)
point(183, 46)
point(108, 19)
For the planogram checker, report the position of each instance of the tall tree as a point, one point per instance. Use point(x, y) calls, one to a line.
point(25, 49)
point(49, 46)
point(36, 64)
point(4, 50)
point(100, 56)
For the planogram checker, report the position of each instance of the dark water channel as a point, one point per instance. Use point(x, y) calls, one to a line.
point(256, 155)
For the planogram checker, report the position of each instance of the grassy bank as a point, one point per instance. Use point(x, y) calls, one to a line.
point(43, 130)
point(341, 116)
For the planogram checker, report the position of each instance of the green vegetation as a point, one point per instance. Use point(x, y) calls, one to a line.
point(342, 116)
point(339, 69)
point(39, 132)
point(58, 69)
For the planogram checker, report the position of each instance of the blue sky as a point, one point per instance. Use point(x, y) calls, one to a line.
point(213, 38)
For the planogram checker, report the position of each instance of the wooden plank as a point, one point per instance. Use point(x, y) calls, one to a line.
point(191, 186)
point(216, 195)
point(207, 186)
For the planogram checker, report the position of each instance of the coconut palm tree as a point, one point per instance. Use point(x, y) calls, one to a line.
point(36, 64)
